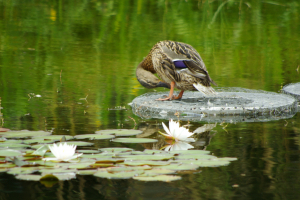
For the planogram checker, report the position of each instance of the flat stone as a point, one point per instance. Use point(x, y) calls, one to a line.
point(229, 105)
point(292, 89)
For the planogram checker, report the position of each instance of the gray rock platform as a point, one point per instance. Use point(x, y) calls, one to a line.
point(229, 105)
point(292, 89)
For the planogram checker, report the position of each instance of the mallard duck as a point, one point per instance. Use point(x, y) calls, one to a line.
point(178, 65)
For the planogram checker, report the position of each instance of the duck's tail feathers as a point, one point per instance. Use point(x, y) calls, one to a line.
point(206, 90)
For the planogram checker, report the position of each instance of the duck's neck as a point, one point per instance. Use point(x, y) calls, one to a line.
point(146, 77)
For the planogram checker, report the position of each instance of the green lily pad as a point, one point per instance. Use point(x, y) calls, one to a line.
point(24, 134)
point(127, 169)
point(189, 152)
point(121, 175)
point(21, 170)
point(97, 155)
point(195, 156)
point(228, 159)
point(41, 151)
point(7, 165)
point(105, 132)
point(153, 151)
point(54, 137)
point(81, 165)
point(121, 132)
point(13, 145)
point(165, 178)
point(10, 152)
point(87, 172)
point(115, 149)
point(147, 157)
point(155, 172)
point(135, 140)
point(39, 140)
point(211, 163)
point(179, 167)
point(87, 151)
point(147, 162)
point(11, 141)
point(77, 143)
point(29, 177)
point(94, 137)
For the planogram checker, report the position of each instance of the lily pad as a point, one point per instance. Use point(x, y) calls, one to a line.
point(10, 152)
point(179, 167)
point(41, 151)
point(195, 156)
point(87, 151)
point(211, 163)
point(37, 140)
point(155, 172)
point(87, 172)
point(189, 152)
point(29, 177)
point(94, 136)
point(14, 145)
point(77, 143)
point(165, 178)
point(147, 162)
point(121, 132)
point(54, 137)
point(24, 134)
point(121, 175)
point(135, 140)
point(147, 157)
point(81, 165)
point(115, 149)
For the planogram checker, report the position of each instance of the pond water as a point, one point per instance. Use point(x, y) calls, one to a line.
point(80, 57)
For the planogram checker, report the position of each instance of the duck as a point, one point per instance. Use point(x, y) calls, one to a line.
point(178, 65)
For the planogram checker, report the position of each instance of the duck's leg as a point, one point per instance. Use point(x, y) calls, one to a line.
point(170, 94)
point(179, 95)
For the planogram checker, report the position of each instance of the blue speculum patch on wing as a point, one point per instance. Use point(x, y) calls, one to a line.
point(179, 64)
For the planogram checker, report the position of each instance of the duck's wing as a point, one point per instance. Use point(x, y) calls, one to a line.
point(185, 56)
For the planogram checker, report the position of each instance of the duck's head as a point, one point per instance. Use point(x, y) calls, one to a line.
point(147, 79)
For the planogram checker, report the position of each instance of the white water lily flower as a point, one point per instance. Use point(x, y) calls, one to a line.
point(177, 133)
point(179, 145)
point(63, 152)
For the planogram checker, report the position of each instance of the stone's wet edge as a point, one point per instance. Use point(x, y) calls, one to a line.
point(230, 104)
point(292, 89)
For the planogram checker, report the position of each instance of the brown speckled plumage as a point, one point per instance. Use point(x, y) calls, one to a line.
point(161, 59)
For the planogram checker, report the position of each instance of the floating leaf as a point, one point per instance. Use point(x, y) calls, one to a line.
point(41, 151)
point(147, 162)
point(10, 152)
point(147, 157)
point(94, 136)
point(121, 175)
point(54, 137)
point(195, 156)
point(189, 152)
point(178, 167)
point(4, 129)
point(211, 163)
point(155, 172)
point(165, 178)
point(135, 140)
point(115, 149)
point(29, 177)
point(77, 143)
point(24, 134)
point(87, 172)
point(81, 165)
point(37, 140)
point(121, 132)
point(228, 159)
point(13, 145)
point(87, 151)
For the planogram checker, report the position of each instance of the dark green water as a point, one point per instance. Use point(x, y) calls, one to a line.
point(68, 50)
